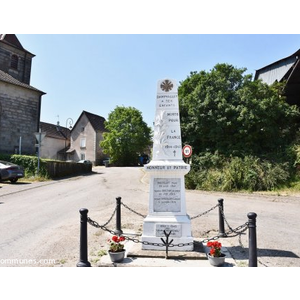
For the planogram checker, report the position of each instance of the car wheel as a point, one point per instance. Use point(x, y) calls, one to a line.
point(13, 180)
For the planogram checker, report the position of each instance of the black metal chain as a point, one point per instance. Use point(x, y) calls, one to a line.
point(204, 213)
point(244, 227)
point(137, 213)
point(114, 212)
point(231, 230)
point(103, 227)
point(237, 233)
point(95, 224)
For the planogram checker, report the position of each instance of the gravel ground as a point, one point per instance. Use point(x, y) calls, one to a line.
point(278, 226)
point(278, 229)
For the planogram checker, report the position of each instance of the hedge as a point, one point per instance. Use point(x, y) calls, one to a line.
point(48, 168)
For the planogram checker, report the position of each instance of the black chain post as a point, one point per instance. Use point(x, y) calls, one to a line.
point(252, 239)
point(118, 230)
point(221, 218)
point(83, 260)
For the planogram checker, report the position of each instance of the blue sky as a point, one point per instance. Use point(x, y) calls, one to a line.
point(97, 72)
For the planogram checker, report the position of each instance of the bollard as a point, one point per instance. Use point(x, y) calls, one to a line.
point(83, 260)
point(221, 218)
point(118, 230)
point(252, 239)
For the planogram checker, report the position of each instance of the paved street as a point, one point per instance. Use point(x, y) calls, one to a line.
point(40, 221)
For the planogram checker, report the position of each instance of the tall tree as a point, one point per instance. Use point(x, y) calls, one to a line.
point(128, 136)
point(224, 110)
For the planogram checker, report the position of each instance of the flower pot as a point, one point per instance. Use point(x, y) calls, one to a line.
point(117, 256)
point(216, 261)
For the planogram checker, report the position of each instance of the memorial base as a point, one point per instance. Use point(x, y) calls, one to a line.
point(180, 227)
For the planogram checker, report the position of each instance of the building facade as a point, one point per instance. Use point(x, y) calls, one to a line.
point(20, 103)
point(56, 141)
point(85, 138)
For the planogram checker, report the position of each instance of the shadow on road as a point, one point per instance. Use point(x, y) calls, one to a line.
point(239, 252)
point(78, 175)
point(276, 253)
point(16, 183)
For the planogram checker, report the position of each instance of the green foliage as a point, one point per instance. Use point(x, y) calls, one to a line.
point(224, 110)
point(128, 136)
point(296, 150)
point(242, 131)
point(220, 173)
point(29, 163)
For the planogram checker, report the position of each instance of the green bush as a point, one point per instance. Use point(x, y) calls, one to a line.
point(220, 173)
point(29, 163)
point(49, 168)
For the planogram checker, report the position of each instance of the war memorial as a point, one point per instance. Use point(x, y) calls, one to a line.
point(167, 205)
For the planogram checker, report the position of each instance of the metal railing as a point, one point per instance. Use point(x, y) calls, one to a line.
point(232, 232)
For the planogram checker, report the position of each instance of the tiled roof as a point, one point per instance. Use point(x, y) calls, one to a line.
point(55, 131)
point(12, 40)
point(96, 121)
point(9, 79)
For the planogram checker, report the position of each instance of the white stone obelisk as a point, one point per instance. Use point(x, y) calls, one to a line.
point(167, 206)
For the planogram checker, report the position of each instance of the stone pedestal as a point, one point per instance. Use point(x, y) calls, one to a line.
point(167, 206)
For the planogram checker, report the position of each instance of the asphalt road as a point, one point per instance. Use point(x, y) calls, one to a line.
point(40, 221)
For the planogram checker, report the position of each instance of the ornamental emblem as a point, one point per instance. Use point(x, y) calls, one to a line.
point(166, 85)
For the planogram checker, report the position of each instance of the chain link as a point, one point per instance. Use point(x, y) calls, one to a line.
point(204, 213)
point(114, 212)
point(244, 227)
point(237, 233)
point(197, 216)
point(103, 227)
point(137, 213)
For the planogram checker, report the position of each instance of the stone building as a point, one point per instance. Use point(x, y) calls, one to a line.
point(20, 103)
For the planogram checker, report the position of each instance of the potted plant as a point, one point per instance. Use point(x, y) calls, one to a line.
point(215, 256)
point(116, 248)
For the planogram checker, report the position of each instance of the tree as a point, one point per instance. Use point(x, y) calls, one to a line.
point(224, 110)
point(128, 136)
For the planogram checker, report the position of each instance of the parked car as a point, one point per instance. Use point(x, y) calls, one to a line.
point(10, 171)
point(143, 159)
point(85, 161)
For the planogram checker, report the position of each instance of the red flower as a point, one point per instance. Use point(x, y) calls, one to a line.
point(115, 239)
point(115, 243)
point(215, 248)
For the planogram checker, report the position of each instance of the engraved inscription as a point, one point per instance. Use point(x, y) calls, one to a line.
point(167, 195)
point(174, 228)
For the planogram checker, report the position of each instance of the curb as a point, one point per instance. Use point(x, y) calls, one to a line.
point(136, 257)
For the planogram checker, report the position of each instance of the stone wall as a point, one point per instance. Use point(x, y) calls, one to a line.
point(22, 73)
point(19, 117)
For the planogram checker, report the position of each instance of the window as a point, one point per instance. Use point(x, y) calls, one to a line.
point(82, 143)
point(82, 156)
point(14, 61)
